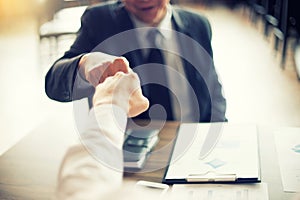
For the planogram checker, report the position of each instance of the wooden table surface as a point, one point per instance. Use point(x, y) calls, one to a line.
point(29, 169)
point(155, 167)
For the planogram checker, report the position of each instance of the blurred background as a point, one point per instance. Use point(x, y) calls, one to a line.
point(257, 58)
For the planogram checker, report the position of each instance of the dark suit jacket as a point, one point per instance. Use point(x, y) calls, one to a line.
point(102, 21)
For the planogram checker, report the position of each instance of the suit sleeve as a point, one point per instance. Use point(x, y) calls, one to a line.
point(218, 102)
point(209, 85)
point(62, 82)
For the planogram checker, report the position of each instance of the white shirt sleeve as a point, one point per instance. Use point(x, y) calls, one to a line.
point(94, 169)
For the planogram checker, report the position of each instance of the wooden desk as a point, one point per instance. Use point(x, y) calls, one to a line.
point(29, 170)
point(155, 167)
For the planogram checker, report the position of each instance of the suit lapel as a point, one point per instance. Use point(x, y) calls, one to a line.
point(121, 17)
point(124, 23)
point(182, 25)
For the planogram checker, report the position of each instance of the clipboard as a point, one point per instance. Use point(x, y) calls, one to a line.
point(233, 159)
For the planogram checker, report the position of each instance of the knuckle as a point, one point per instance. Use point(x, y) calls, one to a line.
point(121, 61)
point(124, 59)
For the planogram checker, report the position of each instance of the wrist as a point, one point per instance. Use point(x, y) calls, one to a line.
point(81, 65)
point(108, 99)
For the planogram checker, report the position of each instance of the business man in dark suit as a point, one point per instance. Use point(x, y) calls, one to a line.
point(114, 37)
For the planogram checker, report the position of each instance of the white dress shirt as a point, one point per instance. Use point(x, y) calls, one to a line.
point(94, 169)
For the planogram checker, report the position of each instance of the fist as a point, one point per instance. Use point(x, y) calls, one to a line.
point(96, 67)
point(124, 91)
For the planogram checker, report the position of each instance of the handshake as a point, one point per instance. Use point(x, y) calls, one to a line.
point(114, 82)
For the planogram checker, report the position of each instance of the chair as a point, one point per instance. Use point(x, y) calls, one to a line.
point(76, 3)
point(272, 15)
point(287, 27)
point(257, 9)
point(65, 22)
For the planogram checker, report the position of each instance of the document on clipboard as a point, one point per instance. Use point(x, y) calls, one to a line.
point(234, 156)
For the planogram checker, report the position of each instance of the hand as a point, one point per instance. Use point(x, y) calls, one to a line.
point(96, 67)
point(124, 91)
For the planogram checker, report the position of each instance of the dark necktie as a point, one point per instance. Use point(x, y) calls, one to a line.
point(158, 90)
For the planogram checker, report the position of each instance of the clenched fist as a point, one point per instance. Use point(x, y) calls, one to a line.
point(123, 90)
point(95, 67)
